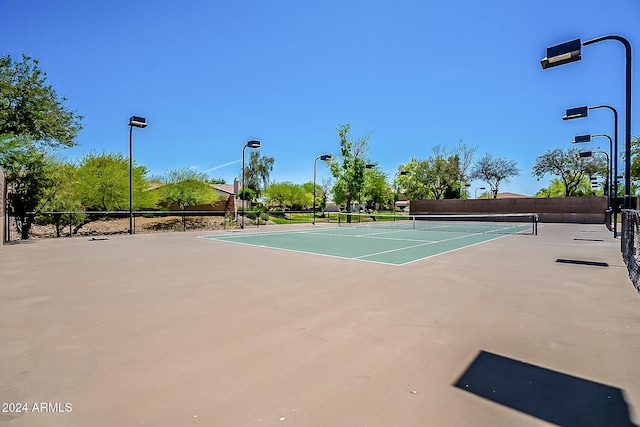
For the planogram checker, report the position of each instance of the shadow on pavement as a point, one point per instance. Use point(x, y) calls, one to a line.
point(543, 393)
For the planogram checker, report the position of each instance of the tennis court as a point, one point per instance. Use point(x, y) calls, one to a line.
point(393, 240)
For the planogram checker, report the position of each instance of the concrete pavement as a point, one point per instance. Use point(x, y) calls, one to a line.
point(169, 329)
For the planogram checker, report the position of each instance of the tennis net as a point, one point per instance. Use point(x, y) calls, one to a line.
point(520, 223)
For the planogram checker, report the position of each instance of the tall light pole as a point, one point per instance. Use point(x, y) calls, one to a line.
point(395, 188)
point(579, 139)
point(324, 158)
point(476, 191)
point(584, 154)
point(572, 51)
point(134, 122)
point(580, 112)
point(251, 144)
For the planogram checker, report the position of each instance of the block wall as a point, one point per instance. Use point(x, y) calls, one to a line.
point(590, 210)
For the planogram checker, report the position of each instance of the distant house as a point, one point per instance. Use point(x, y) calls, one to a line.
point(226, 198)
point(226, 190)
point(507, 195)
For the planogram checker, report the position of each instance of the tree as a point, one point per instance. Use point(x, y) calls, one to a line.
point(187, 187)
point(445, 174)
point(31, 108)
point(415, 182)
point(324, 193)
point(288, 194)
point(635, 159)
point(32, 119)
point(566, 164)
point(61, 197)
point(438, 177)
point(465, 155)
point(376, 188)
point(557, 188)
point(217, 181)
point(246, 194)
point(494, 170)
point(257, 172)
point(348, 168)
point(103, 183)
point(28, 174)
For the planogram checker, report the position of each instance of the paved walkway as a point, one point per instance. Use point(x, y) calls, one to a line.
point(172, 330)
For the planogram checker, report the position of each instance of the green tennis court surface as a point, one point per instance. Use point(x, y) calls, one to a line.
point(388, 244)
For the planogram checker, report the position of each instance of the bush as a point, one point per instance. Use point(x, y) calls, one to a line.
point(278, 213)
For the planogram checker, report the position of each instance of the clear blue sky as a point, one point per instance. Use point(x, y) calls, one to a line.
point(210, 75)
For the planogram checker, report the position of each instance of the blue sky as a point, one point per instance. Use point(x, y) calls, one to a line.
point(211, 75)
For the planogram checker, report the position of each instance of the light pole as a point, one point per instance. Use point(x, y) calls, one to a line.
point(476, 191)
point(584, 154)
point(610, 176)
point(395, 178)
point(466, 187)
point(251, 144)
point(324, 158)
point(134, 122)
point(580, 112)
point(572, 51)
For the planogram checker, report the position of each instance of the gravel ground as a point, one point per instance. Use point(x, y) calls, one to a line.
point(121, 226)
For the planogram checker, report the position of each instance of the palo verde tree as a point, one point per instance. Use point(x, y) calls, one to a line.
point(103, 183)
point(187, 187)
point(289, 195)
point(61, 198)
point(494, 170)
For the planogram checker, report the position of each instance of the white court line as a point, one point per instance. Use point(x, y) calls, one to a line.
point(361, 257)
point(451, 250)
point(423, 244)
point(375, 236)
point(322, 232)
point(305, 252)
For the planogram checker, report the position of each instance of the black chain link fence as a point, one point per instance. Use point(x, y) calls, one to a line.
point(630, 240)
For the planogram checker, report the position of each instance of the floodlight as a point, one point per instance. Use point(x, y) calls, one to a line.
point(137, 121)
point(581, 139)
point(576, 113)
point(562, 54)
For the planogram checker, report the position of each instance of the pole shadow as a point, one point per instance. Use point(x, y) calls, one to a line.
point(549, 395)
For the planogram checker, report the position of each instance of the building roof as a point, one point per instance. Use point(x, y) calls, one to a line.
point(224, 188)
point(508, 195)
